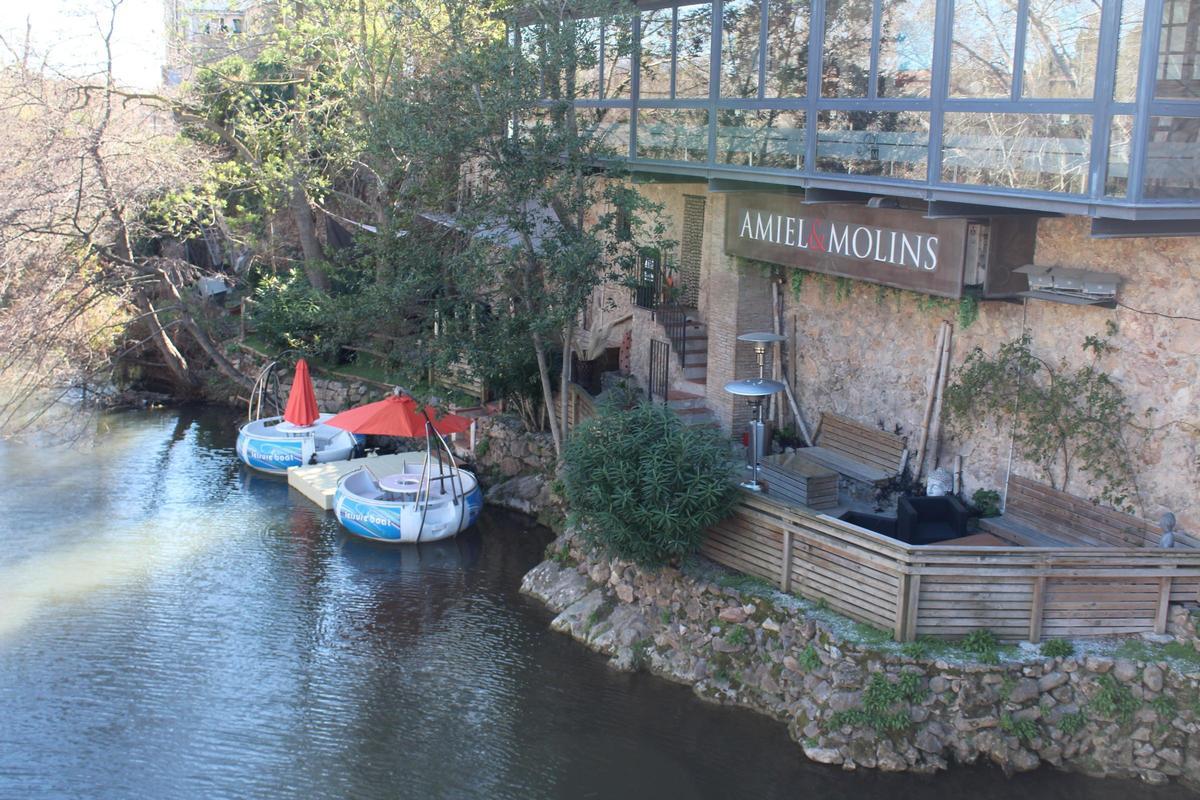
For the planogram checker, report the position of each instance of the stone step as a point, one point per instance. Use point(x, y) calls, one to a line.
point(695, 360)
point(696, 416)
point(678, 400)
point(698, 374)
point(692, 386)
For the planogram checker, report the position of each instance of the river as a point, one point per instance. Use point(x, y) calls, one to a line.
point(173, 626)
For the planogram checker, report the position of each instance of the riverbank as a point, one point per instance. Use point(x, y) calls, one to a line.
point(851, 697)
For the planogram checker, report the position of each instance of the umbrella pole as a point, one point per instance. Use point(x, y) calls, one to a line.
point(455, 472)
point(426, 479)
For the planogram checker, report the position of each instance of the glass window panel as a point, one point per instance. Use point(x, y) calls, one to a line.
point(692, 48)
point(1129, 46)
point(1062, 39)
point(740, 26)
point(1173, 158)
point(654, 79)
point(846, 70)
point(906, 48)
point(587, 58)
point(1049, 152)
point(761, 138)
point(1178, 76)
point(672, 134)
point(618, 57)
point(981, 54)
point(1120, 139)
point(893, 144)
point(787, 48)
point(607, 129)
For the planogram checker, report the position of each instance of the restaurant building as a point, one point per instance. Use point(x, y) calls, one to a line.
point(875, 167)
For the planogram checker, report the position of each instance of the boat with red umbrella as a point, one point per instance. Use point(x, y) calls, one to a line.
point(301, 435)
point(430, 498)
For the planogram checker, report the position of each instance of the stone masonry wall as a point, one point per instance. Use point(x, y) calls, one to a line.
point(869, 704)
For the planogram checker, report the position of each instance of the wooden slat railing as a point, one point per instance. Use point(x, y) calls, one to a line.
point(946, 590)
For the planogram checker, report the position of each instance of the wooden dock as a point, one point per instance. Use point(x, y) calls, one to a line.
point(318, 482)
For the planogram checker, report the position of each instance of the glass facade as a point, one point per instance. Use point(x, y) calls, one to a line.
point(1028, 103)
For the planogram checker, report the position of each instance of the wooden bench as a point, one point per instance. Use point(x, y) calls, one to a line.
point(1037, 515)
point(794, 480)
point(855, 450)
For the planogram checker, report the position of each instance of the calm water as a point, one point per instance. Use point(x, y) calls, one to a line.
point(171, 626)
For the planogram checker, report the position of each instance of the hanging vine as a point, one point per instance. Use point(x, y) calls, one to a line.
point(1066, 421)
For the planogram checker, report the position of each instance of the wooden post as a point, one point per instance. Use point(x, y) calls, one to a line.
point(1164, 603)
point(930, 389)
point(908, 598)
point(1037, 608)
point(785, 568)
point(935, 420)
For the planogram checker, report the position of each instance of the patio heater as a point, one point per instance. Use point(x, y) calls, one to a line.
point(755, 390)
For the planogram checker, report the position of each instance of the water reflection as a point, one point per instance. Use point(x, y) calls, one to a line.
point(225, 639)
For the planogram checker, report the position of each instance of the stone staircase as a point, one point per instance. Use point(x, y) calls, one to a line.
point(686, 396)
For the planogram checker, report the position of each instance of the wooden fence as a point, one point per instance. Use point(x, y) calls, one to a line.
point(1018, 593)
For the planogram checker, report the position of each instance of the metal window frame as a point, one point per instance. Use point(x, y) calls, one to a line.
point(1100, 106)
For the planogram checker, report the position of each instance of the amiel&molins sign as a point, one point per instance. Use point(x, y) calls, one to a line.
point(895, 247)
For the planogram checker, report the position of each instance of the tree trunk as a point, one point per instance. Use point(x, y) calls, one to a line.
point(314, 254)
point(539, 348)
point(566, 378)
point(172, 358)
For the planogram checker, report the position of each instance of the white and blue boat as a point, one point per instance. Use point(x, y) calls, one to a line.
point(298, 436)
point(273, 444)
point(427, 502)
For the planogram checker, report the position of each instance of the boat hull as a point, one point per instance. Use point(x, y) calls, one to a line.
point(400, 521)
point(274, 454)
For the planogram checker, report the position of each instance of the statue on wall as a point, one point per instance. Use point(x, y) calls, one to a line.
point(1167, 523)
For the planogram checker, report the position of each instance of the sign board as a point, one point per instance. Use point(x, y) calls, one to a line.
point(891, 246)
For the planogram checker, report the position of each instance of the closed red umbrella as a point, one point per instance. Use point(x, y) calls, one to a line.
point(302, 400)
point(397, 415)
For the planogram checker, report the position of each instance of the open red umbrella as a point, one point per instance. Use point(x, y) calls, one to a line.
point(397, 415)
point(302, 400)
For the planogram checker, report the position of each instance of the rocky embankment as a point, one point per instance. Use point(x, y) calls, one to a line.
point(869, 704)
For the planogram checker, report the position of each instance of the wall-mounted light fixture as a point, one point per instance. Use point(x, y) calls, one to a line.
point(1081, 287)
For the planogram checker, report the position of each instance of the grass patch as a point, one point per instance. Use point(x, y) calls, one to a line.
point(641, 654)
point(1141, 650)
point(600, 613)
point(1057, 648)
point(664, 616)
point(983, 645)
point(1073, 723)
point(560, 555)
point(882, 708)
point(1114, 700)
point(1165, 706)
point(1024, 729)
point(738, 636)
point(809, 659)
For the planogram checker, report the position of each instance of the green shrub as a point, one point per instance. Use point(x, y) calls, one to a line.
point(1113, 700)
point(986, 502)
point(809, 659)
point(1057, 648)
point(1073, 723)
point(983, 645)
point(1024, 729)
point(646, 485)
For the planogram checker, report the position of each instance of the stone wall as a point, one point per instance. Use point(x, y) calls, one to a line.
point(860, 702)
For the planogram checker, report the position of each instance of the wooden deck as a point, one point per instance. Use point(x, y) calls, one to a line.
point(947, 590)
point(318, 482)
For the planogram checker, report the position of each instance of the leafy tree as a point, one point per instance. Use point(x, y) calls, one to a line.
point(523, 249)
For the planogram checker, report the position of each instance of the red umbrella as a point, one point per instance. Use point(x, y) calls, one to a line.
point(397, 415)
point(302, 400)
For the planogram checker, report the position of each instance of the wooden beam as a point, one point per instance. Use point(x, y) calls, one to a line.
point(1037, 608)
point(1164, 603)
point(785, 567)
